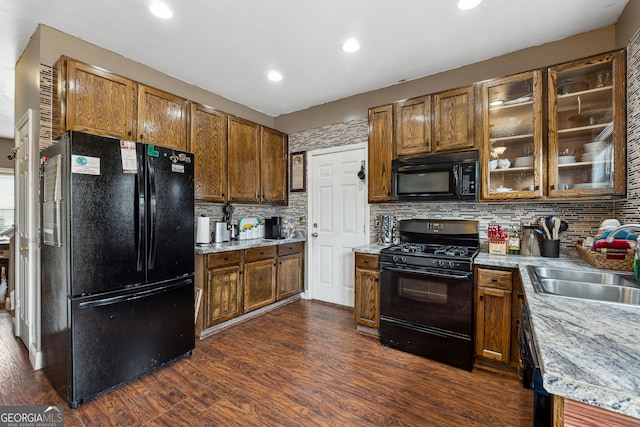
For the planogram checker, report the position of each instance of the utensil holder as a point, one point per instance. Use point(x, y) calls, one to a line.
point(551, 248)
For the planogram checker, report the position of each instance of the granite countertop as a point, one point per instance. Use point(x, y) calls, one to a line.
point(589, 350)
point(243, 244)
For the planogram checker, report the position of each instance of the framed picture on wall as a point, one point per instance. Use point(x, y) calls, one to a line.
point(298, 171)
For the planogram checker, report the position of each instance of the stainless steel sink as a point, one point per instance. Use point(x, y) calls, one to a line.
point(608, 287)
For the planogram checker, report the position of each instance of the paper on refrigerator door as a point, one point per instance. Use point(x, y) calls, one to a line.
point(129, 158)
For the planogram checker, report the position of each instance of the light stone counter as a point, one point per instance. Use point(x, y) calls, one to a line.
point(243, 244)
point(589, 350)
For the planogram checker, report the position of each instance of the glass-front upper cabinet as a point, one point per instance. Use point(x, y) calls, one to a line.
point(587, 133)
point(512, 149)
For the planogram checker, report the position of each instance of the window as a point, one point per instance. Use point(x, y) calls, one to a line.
point(7, 199)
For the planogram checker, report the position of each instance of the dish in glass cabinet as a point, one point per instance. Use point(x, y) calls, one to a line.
point(591, 117)
point(563, 160)
point(502, 189)
point(591, 185)
point(523, 161)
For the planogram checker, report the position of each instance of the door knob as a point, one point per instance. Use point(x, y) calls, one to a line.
point(314, 235)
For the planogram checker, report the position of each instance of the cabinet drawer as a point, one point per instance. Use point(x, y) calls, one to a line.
point(290, 248)
point(371, 262)
point(256, 254)
point(497, 279)
point(223, 259)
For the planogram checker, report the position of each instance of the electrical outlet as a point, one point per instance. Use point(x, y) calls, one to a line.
point(303, 220)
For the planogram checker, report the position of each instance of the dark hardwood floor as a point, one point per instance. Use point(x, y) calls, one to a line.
point(299, 365)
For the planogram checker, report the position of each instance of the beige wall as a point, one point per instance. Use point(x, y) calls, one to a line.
point(27, 88)
point(628, 23)
point(5, 146)
point(356, 107)
point(55, 43)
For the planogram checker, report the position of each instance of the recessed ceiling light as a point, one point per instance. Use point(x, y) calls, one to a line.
point(468, 4)
point(274, 76)
point(161, 10)
point(351, 45)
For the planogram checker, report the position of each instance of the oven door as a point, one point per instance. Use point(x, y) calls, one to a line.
point(428, 298)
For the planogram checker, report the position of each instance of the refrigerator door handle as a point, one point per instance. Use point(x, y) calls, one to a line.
point(141, 208)
point(134, 296)
point(151, 259)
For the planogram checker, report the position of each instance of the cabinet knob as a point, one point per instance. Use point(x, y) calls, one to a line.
point(481, 297)
point(366, 261)
point(494, 279)
point(520, 296)
point(537, 187)
point(553, 187)
point(129, 133)
point(141, 136)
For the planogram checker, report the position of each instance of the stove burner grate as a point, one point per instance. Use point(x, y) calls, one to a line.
point(457, 251)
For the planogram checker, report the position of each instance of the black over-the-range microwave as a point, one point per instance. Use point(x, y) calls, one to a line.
point(436, 177)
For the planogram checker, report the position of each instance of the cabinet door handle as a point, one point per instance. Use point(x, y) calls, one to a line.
point(520, 296)
point(494, 279)
point(481, 297)
point(366, 261)
point(129, 133)
point(141, 136)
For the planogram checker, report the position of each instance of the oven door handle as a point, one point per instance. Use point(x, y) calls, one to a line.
point(430, 273)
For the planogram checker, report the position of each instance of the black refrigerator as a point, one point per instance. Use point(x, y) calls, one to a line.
point(117, 261)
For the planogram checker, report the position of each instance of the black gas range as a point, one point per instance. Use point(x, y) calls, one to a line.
point(426, 290)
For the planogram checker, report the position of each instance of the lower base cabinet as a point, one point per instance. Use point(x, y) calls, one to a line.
point(498, 301)
point(241, 281)
point(259, 277)
point(290, 270)
point(223, 289)
point(367, 289)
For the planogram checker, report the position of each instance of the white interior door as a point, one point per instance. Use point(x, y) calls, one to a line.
point(27, 292)
point(338, 221)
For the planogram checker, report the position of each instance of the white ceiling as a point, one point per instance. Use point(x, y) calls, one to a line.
point(228, 46)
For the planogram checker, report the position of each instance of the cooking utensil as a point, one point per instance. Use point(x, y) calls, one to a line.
point(556, 227)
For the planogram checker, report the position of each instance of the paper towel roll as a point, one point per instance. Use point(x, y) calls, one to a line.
point(203, 234)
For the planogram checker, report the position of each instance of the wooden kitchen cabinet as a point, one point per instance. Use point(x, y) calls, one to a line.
point(274, 155)
point(587, 127)
point(412, 126)
point(512, 137)
point(243, 150)
point(454, 119)
point(208, 143)
point(223, 288)
point(90, 99)
point(493, 314)
point(290, 279)
point(259, 277)
point(380, 153)
point(367, 291)
point(162, 118)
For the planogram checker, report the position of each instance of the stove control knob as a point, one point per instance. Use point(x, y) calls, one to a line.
point(404, 259)
point(452, 264)
point(441, 263)
point(395, 258)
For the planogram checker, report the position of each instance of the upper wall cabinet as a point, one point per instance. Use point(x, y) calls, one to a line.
point(380, 153)
point(274, 154)
point(454, 119)
point(243, 161)
point(413, 126)
point(208, 142)
point(587, 132)
point(512, 130)
point(89, 99)
point(93, 100)
point(162, 118)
